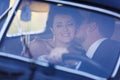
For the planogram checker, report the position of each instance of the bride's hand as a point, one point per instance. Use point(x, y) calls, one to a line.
point(56, 54)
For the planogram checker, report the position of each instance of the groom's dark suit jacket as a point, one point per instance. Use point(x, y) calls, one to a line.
point(106, 56)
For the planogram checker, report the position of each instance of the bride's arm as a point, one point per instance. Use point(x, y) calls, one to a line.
point(37, 47)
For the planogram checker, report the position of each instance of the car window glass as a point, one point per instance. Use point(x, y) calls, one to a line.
point(64, 35)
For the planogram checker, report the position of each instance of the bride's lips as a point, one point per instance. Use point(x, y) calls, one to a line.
point(66, 34)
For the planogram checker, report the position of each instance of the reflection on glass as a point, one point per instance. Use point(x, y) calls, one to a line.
point(67, 36)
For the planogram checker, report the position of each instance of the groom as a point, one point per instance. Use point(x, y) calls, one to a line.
point(94, 35)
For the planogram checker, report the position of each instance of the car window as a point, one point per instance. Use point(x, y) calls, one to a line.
point(37, 15)
point(72, 37)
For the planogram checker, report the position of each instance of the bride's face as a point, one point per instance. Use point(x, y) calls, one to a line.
point(63, 28)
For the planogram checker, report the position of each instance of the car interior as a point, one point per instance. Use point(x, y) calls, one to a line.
point(28, 21)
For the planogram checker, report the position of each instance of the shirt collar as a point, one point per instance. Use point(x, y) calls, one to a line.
point(94, 47)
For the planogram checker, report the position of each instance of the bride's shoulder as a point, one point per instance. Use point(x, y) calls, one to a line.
point(38, 41)
point(41, 43)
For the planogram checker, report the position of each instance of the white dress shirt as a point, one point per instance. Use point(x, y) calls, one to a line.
point(91, 50)
point(93, 47)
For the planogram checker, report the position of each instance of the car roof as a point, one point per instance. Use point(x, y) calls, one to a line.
point(108, 4)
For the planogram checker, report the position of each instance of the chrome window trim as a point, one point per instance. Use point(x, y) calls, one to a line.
point(20, 58)
point(2, 54)
point(116, 68)
point(84, 6)
point(81, 73)
point(5, 25)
